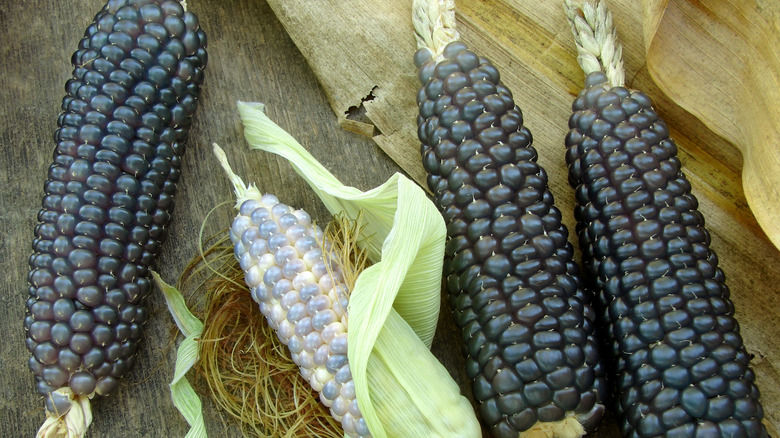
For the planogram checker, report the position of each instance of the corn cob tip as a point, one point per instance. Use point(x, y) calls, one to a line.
point(569, 427)
point(595, 36)
point(67, 415)
point(243, 191)
point(434, 25)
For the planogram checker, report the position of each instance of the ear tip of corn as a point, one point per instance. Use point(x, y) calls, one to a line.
point(72, 422)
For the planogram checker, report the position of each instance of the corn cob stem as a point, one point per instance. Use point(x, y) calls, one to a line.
point(434, 25)
point(598, 48)
point(72, 421)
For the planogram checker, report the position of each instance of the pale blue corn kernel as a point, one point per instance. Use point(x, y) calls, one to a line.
point(305, 244)
point(247, 261)
point(339, 344)
point(267, 229)
point(260, 215)
point(272, 275)
point(353, 408)
point(312, 341)
point(249, 236)
point(238, 247)
point(293, 267)
point(280, 288)
point(361, 428)
point(240, 224)
point(340, 407)
point(260, 293)
point(303, 326)
point(284, 253)
point(309, 291)
point(321, 355)
point(331, 389)
point(248, 206)
point(277, 241)
point(335, 362)
point(318, 268)
point(287, 220)
point(258, 247)
point(318, 304)
point(323, 318)
point(295, 345)
point(297, 313)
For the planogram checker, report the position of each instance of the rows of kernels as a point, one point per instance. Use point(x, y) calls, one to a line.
point(109, 195)
point(303, 297)
point(526, 321)
point(681, 367)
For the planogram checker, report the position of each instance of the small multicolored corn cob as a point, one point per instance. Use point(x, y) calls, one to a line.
point(680, 365)
point(109, 194)
point(527, 324)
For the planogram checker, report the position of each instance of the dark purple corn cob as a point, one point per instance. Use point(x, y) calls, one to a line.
point(680, 366)
point(526, 323)
point(109, 194)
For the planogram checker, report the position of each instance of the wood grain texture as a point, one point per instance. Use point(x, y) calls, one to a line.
point(365, 48)
point(530, 43)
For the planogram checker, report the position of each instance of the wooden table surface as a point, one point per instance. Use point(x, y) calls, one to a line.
point(250, 58)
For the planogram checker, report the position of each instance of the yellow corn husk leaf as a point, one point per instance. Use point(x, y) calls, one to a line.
point(184, 397)
point(402, 389)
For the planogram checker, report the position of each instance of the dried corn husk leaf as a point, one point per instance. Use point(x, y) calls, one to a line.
point(721, 62)
point(401, 388)
point(183, 395)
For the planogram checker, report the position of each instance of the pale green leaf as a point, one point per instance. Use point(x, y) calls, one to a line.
point(184, 397)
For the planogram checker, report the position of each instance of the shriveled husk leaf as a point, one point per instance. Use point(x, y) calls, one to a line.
point(402, 389)
point(183, 395)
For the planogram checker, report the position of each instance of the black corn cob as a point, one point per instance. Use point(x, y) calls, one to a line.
point(527, 324)
point(109, 194)
point(681, 368)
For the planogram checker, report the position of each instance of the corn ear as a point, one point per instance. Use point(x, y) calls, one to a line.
point(401, 388)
